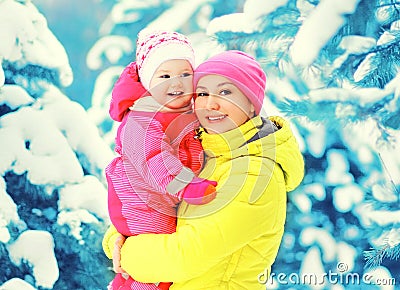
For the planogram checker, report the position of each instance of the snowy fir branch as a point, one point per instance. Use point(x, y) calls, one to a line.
point(387, 172)
point(376, 256)
point(15, 74)
point(336, 112)
point(390, 249)
point(386, 55)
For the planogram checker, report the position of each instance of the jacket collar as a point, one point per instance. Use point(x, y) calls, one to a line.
point(229, 141)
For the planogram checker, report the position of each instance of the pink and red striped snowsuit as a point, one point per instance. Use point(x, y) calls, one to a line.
point(153, 148)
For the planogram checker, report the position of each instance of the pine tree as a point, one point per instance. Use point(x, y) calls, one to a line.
point(53, 210)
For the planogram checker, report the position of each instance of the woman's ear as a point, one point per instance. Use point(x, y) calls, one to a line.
point(252, 111)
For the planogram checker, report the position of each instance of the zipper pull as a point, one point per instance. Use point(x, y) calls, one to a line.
point(198, 134)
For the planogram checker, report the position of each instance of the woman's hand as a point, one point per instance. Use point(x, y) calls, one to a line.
point(112, 244)
point(119, 242)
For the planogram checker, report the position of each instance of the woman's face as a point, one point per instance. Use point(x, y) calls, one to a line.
point(220, 106)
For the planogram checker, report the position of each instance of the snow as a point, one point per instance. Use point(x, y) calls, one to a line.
point(302, 201)
point(248, 21)
point(8, 212)
point(364, 68)
point(346, 197)
point(357, 44)
point(26, 39)
point(258, 8)
point(237, 22)
point(125, 11)
point(337, 172)
point(37, 249)
point(2, 76)
point(312, 269)
point(14, 96)
point(381, 193)
point(322, 238)
point(346, 255)
point(393, 238)
point(310, 38)
point(45, 162)
point(353, 44)
point(168, 20)
point(74, 220)
point(16, 284)
point(113, 48)
point(316, 139)
point(68, 116)
point(316, 190)
point(101, 96)
point(384, 217)
point(380, 276)
point(302, 198)
point(90, 194)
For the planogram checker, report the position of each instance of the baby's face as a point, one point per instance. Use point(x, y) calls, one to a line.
point(171, 84)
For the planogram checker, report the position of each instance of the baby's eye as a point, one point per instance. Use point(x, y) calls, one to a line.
point(225, 92)
point(164, 76)
point(201, 94)
point(184, 75)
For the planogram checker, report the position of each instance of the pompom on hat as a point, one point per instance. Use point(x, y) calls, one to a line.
point(154, 47)
point(241, 69)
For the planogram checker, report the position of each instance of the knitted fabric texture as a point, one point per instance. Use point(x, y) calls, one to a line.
point(155, 47)
point(241, 69)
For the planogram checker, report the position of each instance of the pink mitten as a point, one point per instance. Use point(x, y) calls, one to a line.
point(200, 191)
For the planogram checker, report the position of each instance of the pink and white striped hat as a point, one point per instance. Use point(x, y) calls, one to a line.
point(155, 47)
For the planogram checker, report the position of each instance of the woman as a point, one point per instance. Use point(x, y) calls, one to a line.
point(229, 242)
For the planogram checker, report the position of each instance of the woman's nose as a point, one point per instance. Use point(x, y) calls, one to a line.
point(212, 103)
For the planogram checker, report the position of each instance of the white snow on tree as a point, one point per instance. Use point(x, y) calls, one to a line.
point(53, 200)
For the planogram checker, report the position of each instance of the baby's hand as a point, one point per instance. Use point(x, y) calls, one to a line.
point(200, 191)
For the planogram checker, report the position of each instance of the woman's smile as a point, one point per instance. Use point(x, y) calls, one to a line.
point(216, 118)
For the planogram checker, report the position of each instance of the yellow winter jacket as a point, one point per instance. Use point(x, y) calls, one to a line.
point(232, 241)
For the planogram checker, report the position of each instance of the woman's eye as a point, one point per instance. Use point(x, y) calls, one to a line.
point(184, 75)
point(201, 94)
point(225, 92)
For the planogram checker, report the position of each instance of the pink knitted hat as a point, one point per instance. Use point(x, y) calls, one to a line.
point(155, 47)
point(241, 69)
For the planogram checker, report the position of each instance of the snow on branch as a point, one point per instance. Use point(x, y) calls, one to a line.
point(310, 39)
point(37, 249)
